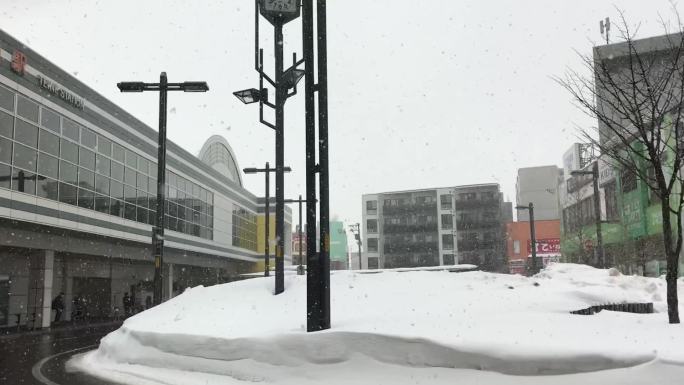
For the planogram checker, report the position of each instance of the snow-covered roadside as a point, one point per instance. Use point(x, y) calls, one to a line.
point(430, 327)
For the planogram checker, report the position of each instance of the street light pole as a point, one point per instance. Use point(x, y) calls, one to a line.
point(300, 269)
point(597, 210)
point(533, 239)
point(158, 231)
point(357, 235)
point(267, 215)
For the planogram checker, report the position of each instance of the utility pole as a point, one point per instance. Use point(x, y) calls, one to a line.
point(158, 231)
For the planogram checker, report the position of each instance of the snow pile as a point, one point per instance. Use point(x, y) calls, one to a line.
point(401, 327)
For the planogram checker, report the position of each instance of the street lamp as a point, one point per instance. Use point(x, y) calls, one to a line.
point(277, 12)
point(158, 231)
point(533, 239)
point(356, 230)
point(252, 95)
point(597, 209)
point(300, 269)
point(267, 226)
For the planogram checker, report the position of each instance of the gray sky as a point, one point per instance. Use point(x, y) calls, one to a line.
point(422, 94)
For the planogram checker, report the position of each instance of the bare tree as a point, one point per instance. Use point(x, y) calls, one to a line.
point(636, 93)
point(575, 224)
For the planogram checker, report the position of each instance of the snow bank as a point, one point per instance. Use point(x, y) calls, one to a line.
point(406, 321)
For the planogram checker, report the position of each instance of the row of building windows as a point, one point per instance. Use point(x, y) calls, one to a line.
point(244, 228)
point(43, 153)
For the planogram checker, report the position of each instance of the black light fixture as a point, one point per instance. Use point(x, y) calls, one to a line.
point(131, 86)
point(252, 95)
point(291, 77)
point(195, 86)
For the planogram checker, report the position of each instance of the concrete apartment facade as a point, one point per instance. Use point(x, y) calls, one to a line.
point(538, 185)
point(431, 227)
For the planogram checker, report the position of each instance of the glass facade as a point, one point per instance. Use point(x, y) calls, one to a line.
point(45, 154)
point(244, 229)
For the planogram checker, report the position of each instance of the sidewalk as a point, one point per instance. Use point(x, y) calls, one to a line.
point(11, 332)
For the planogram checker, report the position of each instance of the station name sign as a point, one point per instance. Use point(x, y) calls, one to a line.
point(60, 92)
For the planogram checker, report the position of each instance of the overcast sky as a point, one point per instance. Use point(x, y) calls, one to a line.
point(422, 93)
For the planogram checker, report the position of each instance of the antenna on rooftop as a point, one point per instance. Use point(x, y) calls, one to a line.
point(604, 25)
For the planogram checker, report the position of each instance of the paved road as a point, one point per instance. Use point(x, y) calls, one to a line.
point(19, 355)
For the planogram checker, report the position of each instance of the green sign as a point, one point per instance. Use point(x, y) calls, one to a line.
point(338, 242)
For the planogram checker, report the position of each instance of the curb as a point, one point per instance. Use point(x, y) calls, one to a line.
point(14, 335)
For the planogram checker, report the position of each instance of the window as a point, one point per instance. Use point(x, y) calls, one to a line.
point(26, 133)
point(371, 207)
point(447, 241)
point(68, 151)
point(48, 166)
point(88, 138)
point(70, 130)
point(372, 225)
point(102, 184)
point(116, 190)
point(49, 143)
point(50, 120)
point(5, 150)
point(67, 193)
point(68, 172)
point(117, 152)
point(130, 176)
point(25, 157)
point(142, 182)
point(5, 176)
point(516, 247)
point(87, 159)
point(27, 109)
point(6, 99)
point(104, 146)
point(372, 245)
point(448, 259)
point(102, 165)
point(445, 201)
point(6, 125)
point(86, 199)
point(86, 179)
point(47, 188)
point(102, 203)
point(131, 159)
point(23, 181)
point(117, 171)
point(447, 221)
point(629, 181)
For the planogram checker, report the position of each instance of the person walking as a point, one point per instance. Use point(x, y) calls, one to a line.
point(127, 305)
point(58, 306)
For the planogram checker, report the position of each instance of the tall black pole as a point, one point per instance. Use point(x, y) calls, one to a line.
point(280, 160)
point(533, 240)
point(299, 234)
point(313, 294)
point(358, 243)
point(267, 249)
point(597, 214)
point(158, 232)
point(323, 160)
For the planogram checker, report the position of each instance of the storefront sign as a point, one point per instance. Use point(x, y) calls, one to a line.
point(545, 246)
point(60, 92)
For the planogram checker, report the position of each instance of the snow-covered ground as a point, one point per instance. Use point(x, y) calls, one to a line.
point(394, 327)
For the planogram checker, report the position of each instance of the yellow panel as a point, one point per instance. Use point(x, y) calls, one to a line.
point(261, 230)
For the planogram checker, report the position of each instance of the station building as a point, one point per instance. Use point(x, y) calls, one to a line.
point(78, 192)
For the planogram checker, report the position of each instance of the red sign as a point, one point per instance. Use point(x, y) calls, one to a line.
point(545, 246)
point(18, 62)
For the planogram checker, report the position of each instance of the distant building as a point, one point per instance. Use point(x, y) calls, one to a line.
point(538, 185)
point(519, 244)
point(431, 227)
point(507, 212)
point(338, 246)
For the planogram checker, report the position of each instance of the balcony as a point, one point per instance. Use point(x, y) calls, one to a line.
point(409, 228)
point(478, 224)
point(408, 209)
point(472, 245)
point(476, 203)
